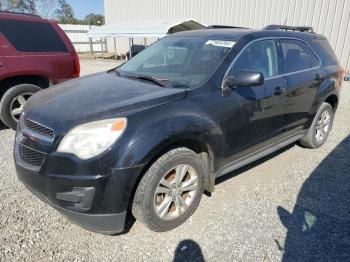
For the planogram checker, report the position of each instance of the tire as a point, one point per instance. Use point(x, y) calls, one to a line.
point(310, 139)
point(144, 204)
point(10, 100)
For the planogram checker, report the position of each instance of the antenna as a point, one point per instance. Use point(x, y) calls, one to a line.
point(285, 21)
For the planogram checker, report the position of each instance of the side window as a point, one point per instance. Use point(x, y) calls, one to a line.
point(297, 56)
point(260, 56)
point(32, 36)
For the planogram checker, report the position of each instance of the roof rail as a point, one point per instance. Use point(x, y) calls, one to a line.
point(223, 27)
point(19, 13)
point(307, 29)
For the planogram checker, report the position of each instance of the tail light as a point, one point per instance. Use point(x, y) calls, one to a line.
point(76, 66)
point(341, 76)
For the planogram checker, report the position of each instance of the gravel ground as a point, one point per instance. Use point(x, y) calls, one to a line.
point(294, 205)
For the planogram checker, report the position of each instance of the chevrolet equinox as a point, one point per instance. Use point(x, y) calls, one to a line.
point(148, 137)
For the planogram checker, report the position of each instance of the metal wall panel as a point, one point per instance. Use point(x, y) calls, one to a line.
point(328, 17)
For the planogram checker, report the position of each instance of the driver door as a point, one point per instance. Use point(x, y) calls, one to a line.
point(257, 116)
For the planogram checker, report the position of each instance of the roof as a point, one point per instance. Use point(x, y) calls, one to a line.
point(225, 33)
point(155, 28)
point(19, 13)
point(236, 33)
point(21, 16)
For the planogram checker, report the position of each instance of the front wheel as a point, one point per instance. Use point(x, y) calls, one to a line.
point(170, 191)
point(320, 127)
point(13, 102)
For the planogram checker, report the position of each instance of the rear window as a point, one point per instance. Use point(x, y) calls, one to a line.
point(297, 56)
point(28, 36)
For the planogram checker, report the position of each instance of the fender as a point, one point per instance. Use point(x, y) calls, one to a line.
point(327, 88)
point(139, 146)
point(160, 132)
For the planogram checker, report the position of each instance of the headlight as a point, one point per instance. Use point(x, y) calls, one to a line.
point(91, 139)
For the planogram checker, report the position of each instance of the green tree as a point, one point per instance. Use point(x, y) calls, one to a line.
point(94, 19)
point(64, 13)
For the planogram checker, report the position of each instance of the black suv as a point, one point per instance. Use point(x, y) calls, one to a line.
point(148, 137)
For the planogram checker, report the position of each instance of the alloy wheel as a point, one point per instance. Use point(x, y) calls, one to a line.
point(17, 105)
point(323, 126)
point(175, 192)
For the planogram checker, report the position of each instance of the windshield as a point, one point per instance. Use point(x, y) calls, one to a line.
point(180, 61)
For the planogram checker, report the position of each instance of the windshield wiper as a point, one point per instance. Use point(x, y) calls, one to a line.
point(115, 71)
point(182, 84)
point(155, 80)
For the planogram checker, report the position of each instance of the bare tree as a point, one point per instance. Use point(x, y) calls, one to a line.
point(45, 7)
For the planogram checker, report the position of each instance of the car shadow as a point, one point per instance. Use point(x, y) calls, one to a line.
point(319, 226)
point(188, 250)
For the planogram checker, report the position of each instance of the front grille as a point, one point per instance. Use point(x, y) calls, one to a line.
point(40, 129)
point(30, 156)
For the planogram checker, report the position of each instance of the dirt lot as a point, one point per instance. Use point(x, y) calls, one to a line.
point(294, 205)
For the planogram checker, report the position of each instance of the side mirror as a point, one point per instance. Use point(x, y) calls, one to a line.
point(244, 78)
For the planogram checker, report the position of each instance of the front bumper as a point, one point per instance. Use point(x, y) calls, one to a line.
point(100, 223)
point(90, 193)
point(106, 212)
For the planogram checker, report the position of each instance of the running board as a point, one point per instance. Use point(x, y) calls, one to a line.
point(250, 158)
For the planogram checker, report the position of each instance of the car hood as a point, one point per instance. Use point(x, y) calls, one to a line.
point(94, 97)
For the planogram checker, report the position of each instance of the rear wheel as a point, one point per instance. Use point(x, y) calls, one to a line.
point(13, 102)
point(170, 191)
point(320, 127)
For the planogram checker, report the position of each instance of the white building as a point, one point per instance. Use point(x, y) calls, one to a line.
point(328, 17)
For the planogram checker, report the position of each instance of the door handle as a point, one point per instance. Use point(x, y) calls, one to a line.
point(279, 91)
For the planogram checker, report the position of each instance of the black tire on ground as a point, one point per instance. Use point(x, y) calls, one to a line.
point(143, 207)
point(309, 140)
point(7, 99)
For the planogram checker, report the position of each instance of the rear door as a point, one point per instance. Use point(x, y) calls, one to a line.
point(300, 68)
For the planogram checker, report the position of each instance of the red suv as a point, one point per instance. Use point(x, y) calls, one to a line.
point(34, 54)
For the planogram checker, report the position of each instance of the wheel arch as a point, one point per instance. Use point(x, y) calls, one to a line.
point(202, 148)
point(38, 80)
point(333, 100)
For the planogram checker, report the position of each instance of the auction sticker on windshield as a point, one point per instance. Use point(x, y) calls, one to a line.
point(221, 43)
